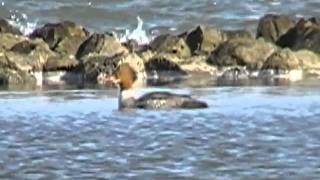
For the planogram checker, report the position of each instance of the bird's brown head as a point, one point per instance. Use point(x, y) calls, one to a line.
point(124, 76)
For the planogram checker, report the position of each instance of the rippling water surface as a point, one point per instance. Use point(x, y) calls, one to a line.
point(247, 133)
point(103, 15)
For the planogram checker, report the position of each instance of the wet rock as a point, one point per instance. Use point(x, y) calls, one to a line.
point(96, 69)
point(8, 40)
point(170, 44)
point(163, 68)
point(234, 74)
point(163, 63)
point(42, 57)
point(34, 52)
point(147, 55)
point(304, 35)
point(6, 27)
point(282, 64)
point(60, 62)
point(134, 47)
point(64, 37)
point(197, 65)
point(32, 57)
point(310, 61)
point(99, 65)
point(230, 34)
point(272, 26)
point(283, 60)
point(204, 39)
point(11, 72)
point(242, 52)
point(104, 45)
point(9, 76)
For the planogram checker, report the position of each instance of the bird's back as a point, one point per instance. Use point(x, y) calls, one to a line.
point(166, 100)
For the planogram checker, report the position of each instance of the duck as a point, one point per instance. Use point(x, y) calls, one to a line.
point(124, 78)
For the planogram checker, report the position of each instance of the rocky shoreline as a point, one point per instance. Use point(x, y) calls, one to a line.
point(67, 53)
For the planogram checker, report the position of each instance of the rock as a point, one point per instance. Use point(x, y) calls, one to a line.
point(204, 39)
point(95, 70)
point(60, 62)
point(64, 37)
point(310, 61)
point(31, 57)
point(40, 57)
point(147, 55)
point(272, 26)
point(282, 60)
point(282, 64)
point(163, 69)
point(242, 52)
point(170, 44)
point(230, 34)
point(6, 27)
point(304, 35)
point(234, 74)
point(34, 52)
point(105, 45)
point(197, 65)
point(10, 77)
point(134, 47)
point(99, 65)
point(163, 63)
point(8, 40)
point(11, 72)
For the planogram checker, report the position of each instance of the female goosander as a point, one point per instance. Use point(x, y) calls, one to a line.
point(124, 77)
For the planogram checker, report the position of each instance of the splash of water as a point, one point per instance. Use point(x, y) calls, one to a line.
point(27, 26)
point(138, 34)
point(22, 22)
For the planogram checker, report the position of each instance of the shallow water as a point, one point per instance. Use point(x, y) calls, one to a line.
point(267, 132)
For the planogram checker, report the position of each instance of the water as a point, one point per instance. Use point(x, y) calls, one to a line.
point(248, 132)
point(158, 15)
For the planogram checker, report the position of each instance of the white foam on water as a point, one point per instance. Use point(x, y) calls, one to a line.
point(139, 34)
point(22, 22)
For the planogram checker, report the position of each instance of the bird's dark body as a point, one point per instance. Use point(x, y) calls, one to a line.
point(166, 100)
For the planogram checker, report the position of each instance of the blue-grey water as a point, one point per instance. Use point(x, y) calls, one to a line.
point(103, 15)
point(248, 131)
